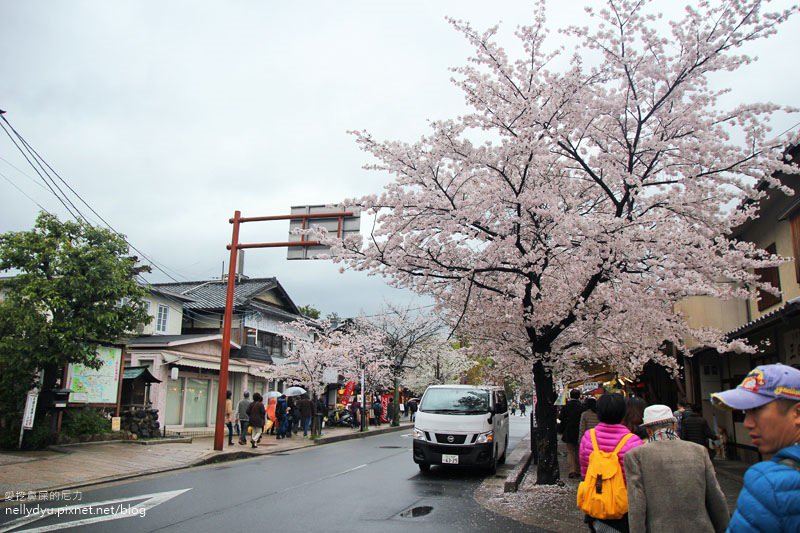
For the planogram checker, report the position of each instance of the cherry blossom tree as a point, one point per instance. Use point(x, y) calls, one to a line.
point(563, 215)
point(436, 363)
point(348, 348)
point(406, 337)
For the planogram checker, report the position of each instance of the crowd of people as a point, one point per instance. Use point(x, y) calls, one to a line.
point(649, 468)
point(281, 416)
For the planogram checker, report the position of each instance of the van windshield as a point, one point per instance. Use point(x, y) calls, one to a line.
point(455, 401)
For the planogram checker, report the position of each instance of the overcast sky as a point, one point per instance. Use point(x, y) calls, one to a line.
point(167, 116)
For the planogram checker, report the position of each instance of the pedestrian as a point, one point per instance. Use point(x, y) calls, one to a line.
point(679, 414)
point(377, 410)
point(522, 408)
point(588, 417)
point(668, 474)
point(273, 419)
point(355, 410)
point(241, 411)
point(570, 419)
point(634, 412)
point(229, 415)
point(320, 412)
point(608, 434)
point(257, 416)
point(695, 428)
point(413, 405)
point(513, 408)
point(305, 409)
point(291, 416)
point(770, 498)
point(280, 416)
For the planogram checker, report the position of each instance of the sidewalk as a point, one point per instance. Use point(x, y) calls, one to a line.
point(553, 507)
point(81, 465)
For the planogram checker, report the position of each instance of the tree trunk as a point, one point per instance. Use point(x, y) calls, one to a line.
point(545, 435)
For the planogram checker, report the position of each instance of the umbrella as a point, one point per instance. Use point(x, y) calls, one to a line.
point(273, 394)
point(294, 391)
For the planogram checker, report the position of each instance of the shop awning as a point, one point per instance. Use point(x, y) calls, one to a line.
point(198, 361)
point(600, 378)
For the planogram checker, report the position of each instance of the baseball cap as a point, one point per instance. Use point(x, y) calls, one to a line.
point(762, 385)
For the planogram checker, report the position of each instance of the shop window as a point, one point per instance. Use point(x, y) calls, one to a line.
point(771, 276)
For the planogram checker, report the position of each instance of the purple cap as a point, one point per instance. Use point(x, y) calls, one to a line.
point(762, 385)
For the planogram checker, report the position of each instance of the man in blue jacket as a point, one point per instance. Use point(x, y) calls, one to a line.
point(770, 398)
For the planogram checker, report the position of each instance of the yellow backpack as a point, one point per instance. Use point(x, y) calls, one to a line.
point(602, 494)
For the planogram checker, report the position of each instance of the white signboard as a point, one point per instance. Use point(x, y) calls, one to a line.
point(341, 226)
point(96, 386)
point(30, 410)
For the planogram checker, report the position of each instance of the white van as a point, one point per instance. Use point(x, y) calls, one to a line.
point(461, 425)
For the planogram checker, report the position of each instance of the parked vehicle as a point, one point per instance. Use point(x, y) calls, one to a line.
point(340, 418)
point(461, 425)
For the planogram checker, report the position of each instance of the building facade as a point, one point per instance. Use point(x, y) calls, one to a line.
point(182, 346)
point(768, 322)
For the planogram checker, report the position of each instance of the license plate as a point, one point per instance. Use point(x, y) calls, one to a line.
point(449, 459)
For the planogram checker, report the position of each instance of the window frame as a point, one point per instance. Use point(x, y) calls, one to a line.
point(162, 328)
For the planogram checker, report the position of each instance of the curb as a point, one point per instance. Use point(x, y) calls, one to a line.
point(523, 461)
point(359, 434)
point(210, 458)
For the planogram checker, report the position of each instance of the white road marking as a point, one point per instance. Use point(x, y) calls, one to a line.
point(318, 480)
point(140, 509)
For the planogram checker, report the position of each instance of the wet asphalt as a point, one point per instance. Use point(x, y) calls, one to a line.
point(368, 484)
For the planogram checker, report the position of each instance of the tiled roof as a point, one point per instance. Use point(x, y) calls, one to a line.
point(211, 294)
point(790, 308)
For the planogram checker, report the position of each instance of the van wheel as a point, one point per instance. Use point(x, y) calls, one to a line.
point(491, 468)
point(502, 459)
point(424, 467)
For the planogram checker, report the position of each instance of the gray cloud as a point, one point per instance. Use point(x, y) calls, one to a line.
point(168, 116)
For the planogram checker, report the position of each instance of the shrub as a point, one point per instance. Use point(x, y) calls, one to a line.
point(85, 422)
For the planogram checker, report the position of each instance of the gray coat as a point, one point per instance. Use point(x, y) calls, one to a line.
point(672, 486)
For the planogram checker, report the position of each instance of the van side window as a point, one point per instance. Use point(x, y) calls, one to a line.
point(501, 402)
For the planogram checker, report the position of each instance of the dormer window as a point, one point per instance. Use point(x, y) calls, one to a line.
point(161, 319)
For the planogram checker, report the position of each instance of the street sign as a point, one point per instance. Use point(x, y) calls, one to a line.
point(30, 410)
point(334, 225)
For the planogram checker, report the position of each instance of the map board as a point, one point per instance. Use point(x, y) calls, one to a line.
point(96, 386)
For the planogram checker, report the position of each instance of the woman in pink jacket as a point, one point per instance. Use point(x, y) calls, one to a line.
point(610, 412)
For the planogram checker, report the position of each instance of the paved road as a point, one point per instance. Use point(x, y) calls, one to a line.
point(367, 484)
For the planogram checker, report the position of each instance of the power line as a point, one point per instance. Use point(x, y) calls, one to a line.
point(80, 217)
point(46, 182)
point(9, 163)
point(24, 193)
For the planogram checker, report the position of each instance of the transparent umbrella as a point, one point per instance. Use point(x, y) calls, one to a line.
point(294, 391)
point(273, 394)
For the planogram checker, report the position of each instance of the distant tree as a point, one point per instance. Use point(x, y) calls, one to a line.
point(309, 311)
point(405, 337)
point(437, 363)
point(333, 319)
point(71, 287)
